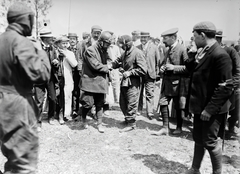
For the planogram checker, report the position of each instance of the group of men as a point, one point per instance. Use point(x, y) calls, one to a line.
point(203, 81)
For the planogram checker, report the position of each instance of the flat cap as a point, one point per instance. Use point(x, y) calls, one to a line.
point(61, 39)
point(136, 32)
point(85, 35)
point(124, 39)
point(205, 26)
point(96, 28)
point(144, 34)
point(219, 33)
point(72, 35)
point(171, 31)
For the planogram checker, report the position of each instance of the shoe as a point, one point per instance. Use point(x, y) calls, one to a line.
point(74, 114)
point(234, 131)
point(85, 125)
point(51, 121)
point(177, 131)
point(78, 118)
point(150, 116)
point(193, 171)
point(106, 113)
point(163, 131)
point(100, 128)
point(129, 127)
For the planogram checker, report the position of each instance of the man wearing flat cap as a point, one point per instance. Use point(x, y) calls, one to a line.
point(22, 64)
point(174, 84)
point(66, 84)
point(132, 64)
point(86, 35)
point(152, 57)
point(234, 113)
point(136, 38)
point(51, 87)
point(211, 87)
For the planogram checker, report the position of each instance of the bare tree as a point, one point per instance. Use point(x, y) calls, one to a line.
point(40, 7)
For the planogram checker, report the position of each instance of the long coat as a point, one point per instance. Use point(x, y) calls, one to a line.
point(211, 84)
point(152, 56)
point(95, 71)
point(175, 83)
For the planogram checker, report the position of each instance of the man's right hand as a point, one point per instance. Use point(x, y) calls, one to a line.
point(162, 69)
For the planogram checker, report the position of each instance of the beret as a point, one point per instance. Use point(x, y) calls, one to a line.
point(124, 39)
point(205, 26)
point(96, 28)
point(144, 34)
point(72, 35)
point(219, 33)
point(170, 32)
point(136, 32)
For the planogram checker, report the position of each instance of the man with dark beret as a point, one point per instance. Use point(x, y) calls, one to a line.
point(133, 65)
point(211, 87)
point(22, 64)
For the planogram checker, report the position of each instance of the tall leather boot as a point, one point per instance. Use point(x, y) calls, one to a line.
point(165, 130)
point(84, 117)
point(198, 155)
point(99, 112)
point(216, 158)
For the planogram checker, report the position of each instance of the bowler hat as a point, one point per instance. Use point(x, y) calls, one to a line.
point(136, 32)
point(96, 28)
point(219, 33)
point(145, 34)
point(72, 35)
point(45, 32)
point(205, 26)
point(169, 32)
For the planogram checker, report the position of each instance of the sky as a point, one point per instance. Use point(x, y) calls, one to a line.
point(154, 16)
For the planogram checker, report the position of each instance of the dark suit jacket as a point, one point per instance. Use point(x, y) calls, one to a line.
point(175, 83)
point(211, 84)
point(95, 70)
point(152, 57)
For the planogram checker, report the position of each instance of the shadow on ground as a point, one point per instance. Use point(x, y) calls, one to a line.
point(234, 161)
point(160, 165)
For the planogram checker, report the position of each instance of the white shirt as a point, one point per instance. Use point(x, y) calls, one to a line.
point(114, 52)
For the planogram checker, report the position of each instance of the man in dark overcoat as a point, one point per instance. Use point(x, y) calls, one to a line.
point(95, 74)
point(211, 87)
point(22, 64)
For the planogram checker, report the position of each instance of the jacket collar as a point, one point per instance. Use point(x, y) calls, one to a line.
point(16, 27)
point(207, 54)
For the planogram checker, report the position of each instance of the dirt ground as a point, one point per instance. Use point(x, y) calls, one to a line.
point(68, 149)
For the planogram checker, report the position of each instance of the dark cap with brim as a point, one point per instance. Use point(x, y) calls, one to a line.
point(142, 34)
point(72, 35)
point(205, 26)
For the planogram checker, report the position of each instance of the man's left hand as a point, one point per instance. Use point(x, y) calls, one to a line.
point(126, 74)
point(205, 116)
